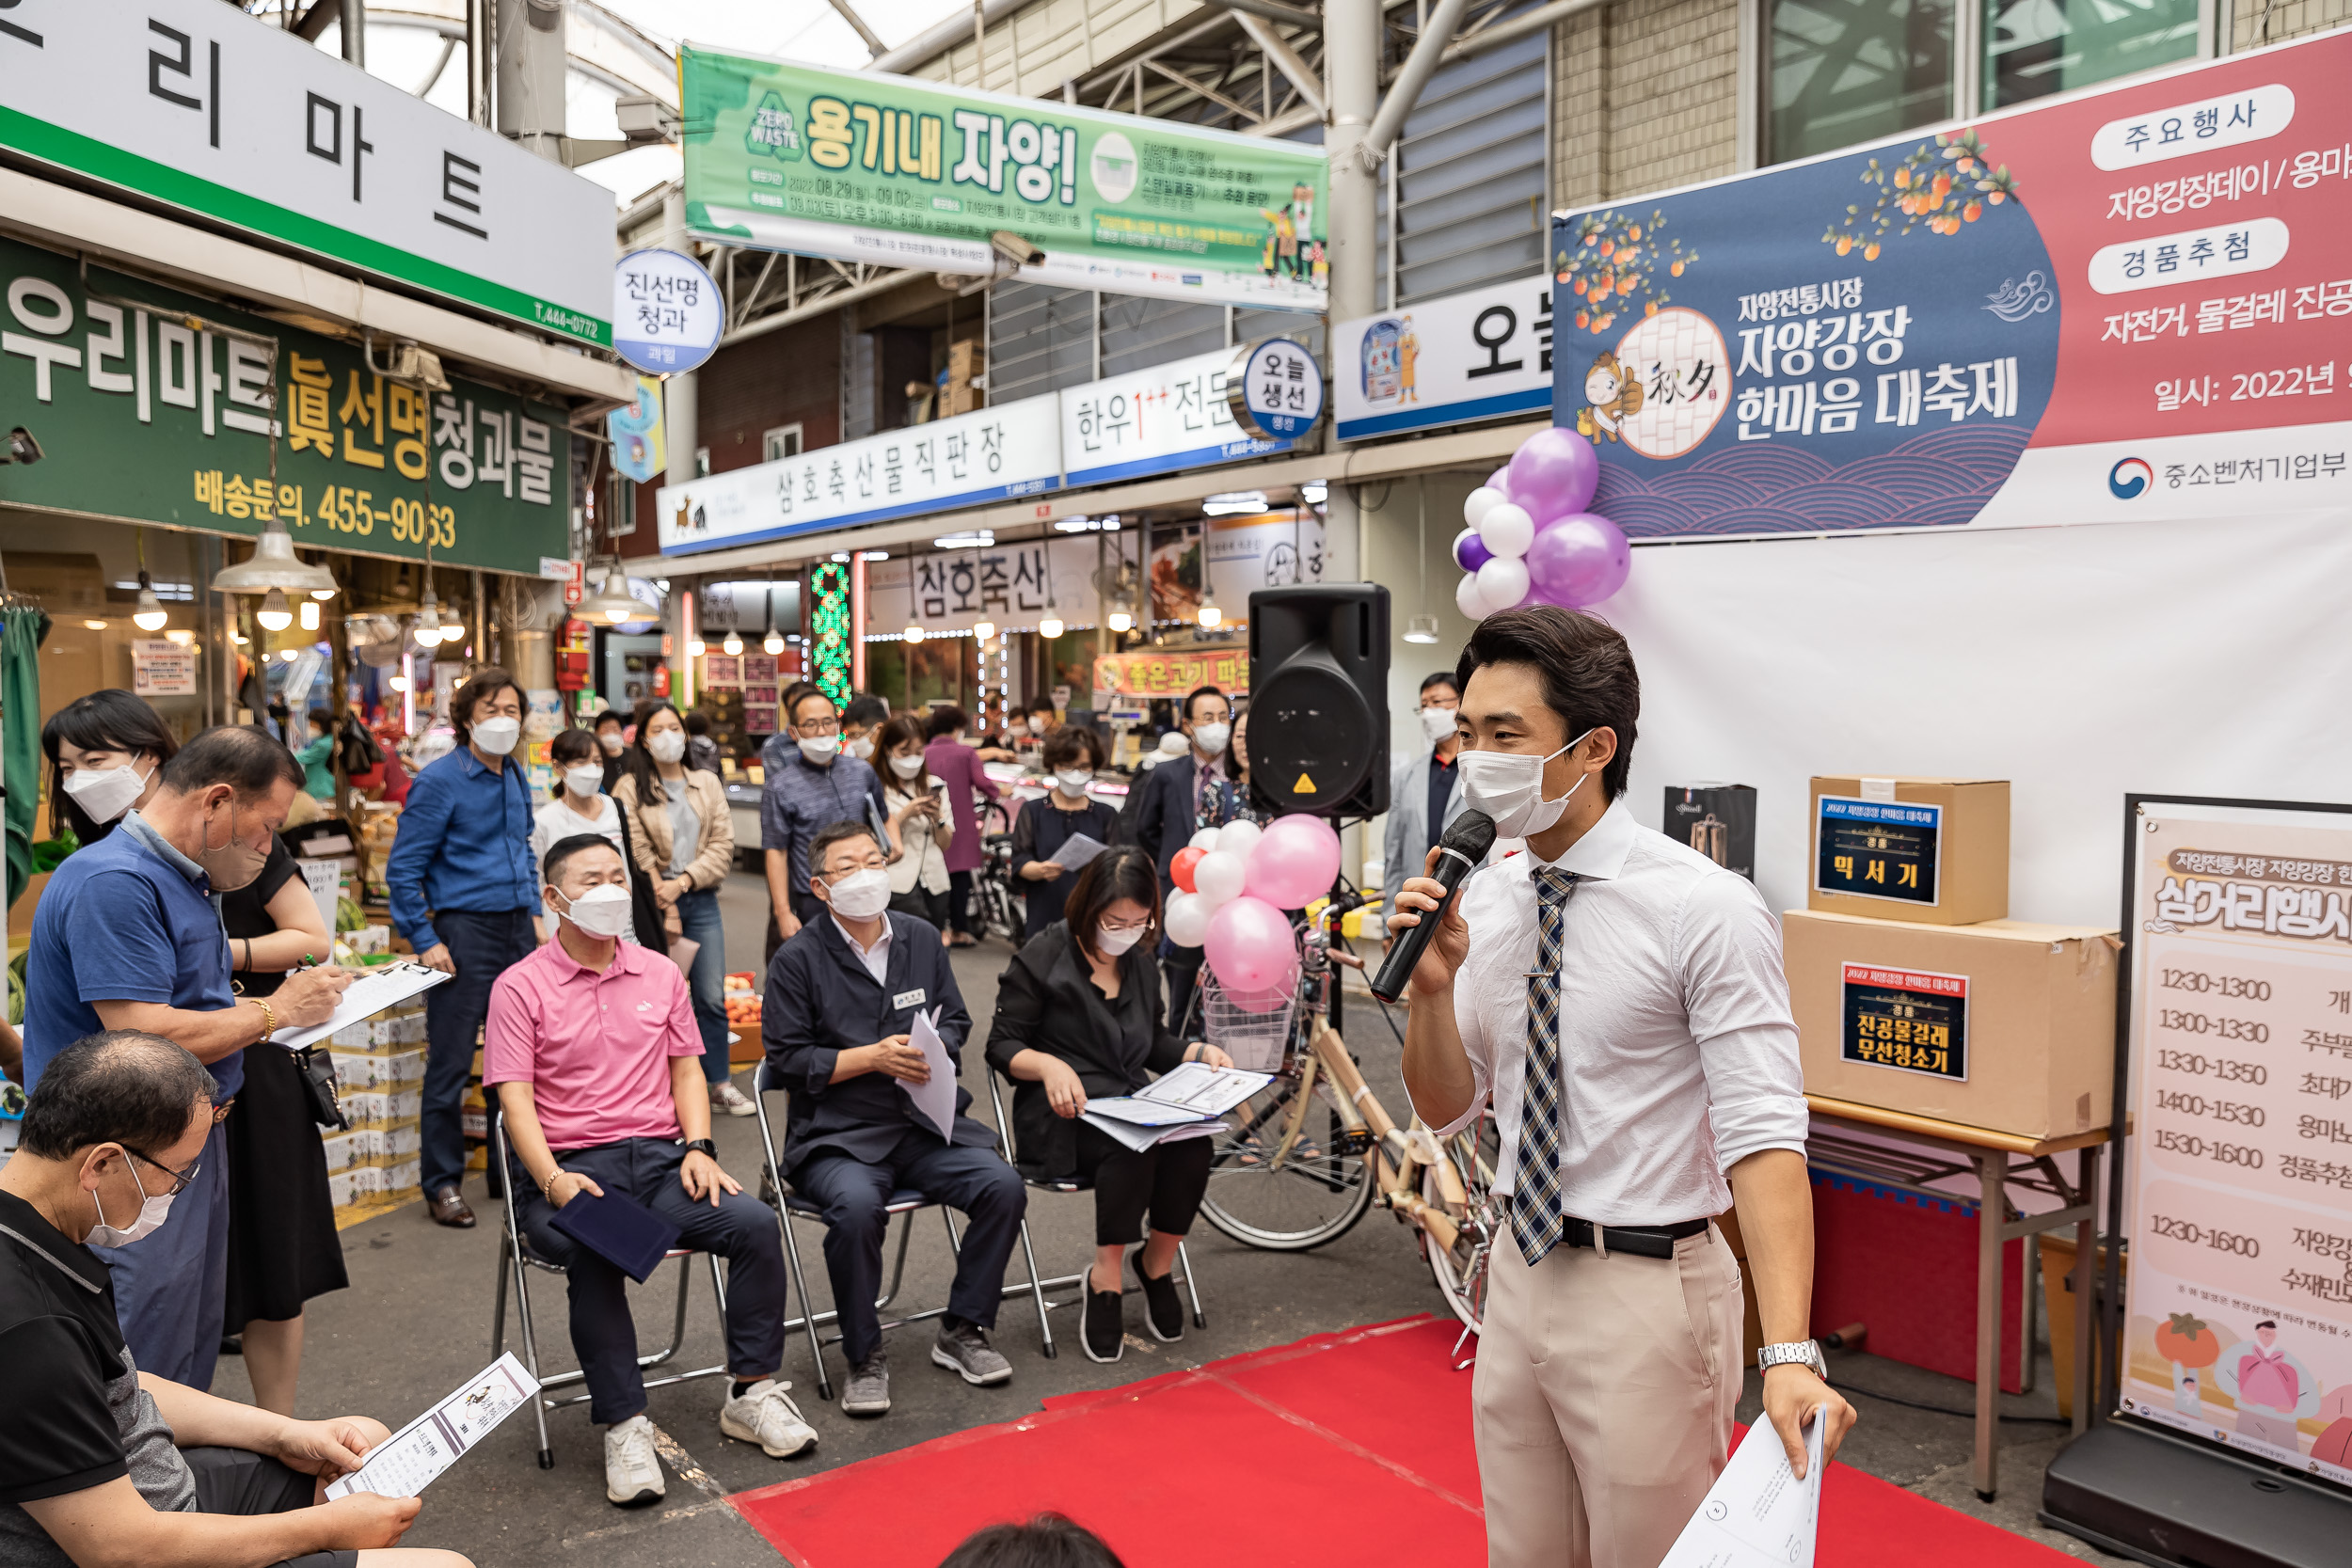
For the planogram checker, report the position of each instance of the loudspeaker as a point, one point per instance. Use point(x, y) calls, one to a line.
point(1319, 698)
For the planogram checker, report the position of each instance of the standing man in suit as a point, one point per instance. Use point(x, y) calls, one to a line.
point(842, 998)
point(1426, 794)
point(1174, 795)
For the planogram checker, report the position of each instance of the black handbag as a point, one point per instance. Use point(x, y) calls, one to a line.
point(317, 1072)
point(644, 911)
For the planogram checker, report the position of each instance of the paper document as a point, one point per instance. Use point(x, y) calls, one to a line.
point(407, 1462)
point(1138, 1112)
point(1141, 1138)
point(1757, 1512)
point(1077, 850)
point(1209, 1091)
point(386, 986)
point(934, 1101)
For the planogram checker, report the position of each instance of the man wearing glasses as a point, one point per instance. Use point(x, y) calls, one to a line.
point(807, 787)
point(128, 935)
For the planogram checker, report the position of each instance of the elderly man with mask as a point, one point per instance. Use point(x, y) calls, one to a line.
point(128, 935)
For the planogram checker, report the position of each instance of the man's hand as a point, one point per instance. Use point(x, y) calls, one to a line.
point(788, 925)
point(1792, 1393)
point(700, 1175)
point(1449, 947)
point(896, 1057)
point(1062, 1090)
point(437, 956)
point(335, 1447)
point(569, 1184)
point(308, 995)
point(365, 1522)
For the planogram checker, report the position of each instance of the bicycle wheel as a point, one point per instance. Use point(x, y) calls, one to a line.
point(1461, 1270)
point(999, 915)
point(1313, 1195)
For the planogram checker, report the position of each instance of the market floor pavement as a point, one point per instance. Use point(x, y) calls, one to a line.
point(417, 1321)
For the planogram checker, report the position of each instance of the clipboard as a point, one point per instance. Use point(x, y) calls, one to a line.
point(387, 985)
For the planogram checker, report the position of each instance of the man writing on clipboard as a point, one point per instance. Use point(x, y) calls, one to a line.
point(1625, 1015)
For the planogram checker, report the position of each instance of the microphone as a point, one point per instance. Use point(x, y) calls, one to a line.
point(1459, 854)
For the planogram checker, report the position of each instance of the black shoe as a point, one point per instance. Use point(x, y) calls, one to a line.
point(232, 1344)
point(1104, 1336)
point(1163, 1309)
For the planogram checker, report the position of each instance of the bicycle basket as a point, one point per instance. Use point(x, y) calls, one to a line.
point(1253, 1028)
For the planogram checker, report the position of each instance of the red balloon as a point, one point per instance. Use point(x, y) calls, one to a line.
point(1181, 867)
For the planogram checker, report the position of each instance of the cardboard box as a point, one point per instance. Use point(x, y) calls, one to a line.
point(2003, 1025)
point(1716, 820)
point(1930, 850)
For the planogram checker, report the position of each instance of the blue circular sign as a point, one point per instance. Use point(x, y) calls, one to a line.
point(667, 315)
point(1275, 389)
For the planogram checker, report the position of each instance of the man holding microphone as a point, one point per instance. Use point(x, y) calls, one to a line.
point(1626, 1016)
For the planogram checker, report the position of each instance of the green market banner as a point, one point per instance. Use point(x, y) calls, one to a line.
point(871, 167)
point(148, 411)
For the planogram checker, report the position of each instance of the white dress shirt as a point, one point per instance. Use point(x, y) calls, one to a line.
point(1677, 1052)
point(876, 958)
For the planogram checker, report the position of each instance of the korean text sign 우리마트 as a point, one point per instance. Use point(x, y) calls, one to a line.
point(2132, 304)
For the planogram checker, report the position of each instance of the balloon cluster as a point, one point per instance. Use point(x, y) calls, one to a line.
point(1232, 885)
point(1530, 539)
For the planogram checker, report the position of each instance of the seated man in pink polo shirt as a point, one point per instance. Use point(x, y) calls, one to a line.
point(592, 1045)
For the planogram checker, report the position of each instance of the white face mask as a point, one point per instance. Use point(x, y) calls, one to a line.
point(612, 743)
point(1211, 738)
point(668, 746)
point(1073, 781)
point(862, 895)
point(1509, 787)
point(819, 749)
point(151, 1212)
point(1112, 943)
point(906, 768)
point(1039, 726)
point(860, 748)
point(498, 736)
point(1437, 724)
point(583, 782)
point(106, 793)
point(600, 912)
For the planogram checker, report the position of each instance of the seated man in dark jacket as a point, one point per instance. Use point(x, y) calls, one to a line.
point(842, 997)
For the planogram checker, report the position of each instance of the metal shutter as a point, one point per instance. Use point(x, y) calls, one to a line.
point(1469, 180)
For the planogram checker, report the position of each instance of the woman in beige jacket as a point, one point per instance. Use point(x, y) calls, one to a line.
point(685, 842)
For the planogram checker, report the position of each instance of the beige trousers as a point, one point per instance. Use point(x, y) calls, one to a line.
point(1603, 1399)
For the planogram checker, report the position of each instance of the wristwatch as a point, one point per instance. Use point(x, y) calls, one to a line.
point(704, 1145)
point(1802, 1352)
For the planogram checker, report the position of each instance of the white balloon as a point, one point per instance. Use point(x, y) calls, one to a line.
point(1502, 582)
point(1237, 838)
point(1479, 502)
point(1185, 920)
point(1507, 530)
point(1204, 841)
point(1218, 878)
point(1467, 599)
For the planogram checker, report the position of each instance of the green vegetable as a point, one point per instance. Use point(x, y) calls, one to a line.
point(16, 996)
point(347, 916)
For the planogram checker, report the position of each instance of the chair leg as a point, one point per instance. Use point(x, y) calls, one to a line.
point(955, 1243)
point(808, 1306)
point(1036, 1292)
point(1192, 1287)
point(531, 1354)
point(497, 1323)
point(898, 1268)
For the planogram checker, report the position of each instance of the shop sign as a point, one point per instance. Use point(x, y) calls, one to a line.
point(2130, 304)
point(1010, 585)
point(667, 315)
point(1240, 555)
point(636, 432)
point(200, 108)
point(1155, 672)
point(1155, 422)
point(162, 667)
point(907, 173)
point(969, 459)
point(1275, 389)
point(147, 418)
point(1484, 354)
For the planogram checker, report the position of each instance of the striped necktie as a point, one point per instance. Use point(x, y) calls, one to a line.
point(1535, 1218)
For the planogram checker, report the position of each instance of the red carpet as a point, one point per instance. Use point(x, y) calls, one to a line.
point(1339, 1448)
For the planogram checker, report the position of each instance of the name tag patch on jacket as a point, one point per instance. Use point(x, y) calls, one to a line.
point(908, 998)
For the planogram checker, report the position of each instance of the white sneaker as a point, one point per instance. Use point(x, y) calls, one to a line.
point(767, 1417)
point(734, 1101)
point(633, 1472)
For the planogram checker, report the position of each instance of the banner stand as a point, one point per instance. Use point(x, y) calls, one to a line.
point(2129, 1485)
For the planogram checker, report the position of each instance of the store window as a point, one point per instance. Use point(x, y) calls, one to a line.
point(1844, 71)
point(2033, 48)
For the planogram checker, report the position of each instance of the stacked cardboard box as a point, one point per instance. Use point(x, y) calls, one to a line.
point(967, 369)
point(379, 1078)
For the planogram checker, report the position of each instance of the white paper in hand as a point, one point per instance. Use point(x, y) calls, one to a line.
point(407, 1462)
point(934, 1101)
point(1757, 1514)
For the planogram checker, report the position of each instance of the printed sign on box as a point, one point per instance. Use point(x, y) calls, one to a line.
point(1878, 849)
point(2128, 304)
point(1910, 1020)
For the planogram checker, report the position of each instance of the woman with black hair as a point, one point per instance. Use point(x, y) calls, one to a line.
point(107, 754)
point(1078, 1015)
point(1074, 754)
point(958, 766)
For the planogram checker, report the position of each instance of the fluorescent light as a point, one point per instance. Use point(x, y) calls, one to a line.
point(1073, 525)
point(309, 615)
point(1233, 503)
point(970, 539)
point(1210, 614)
point(289, 655)
point(1421, 628)
point(873, 555)
point(1121, 620)
point(95, 626)
point(840, 555)
point(1050, 628)
point(1314, 491)
point(983, 630)
point(915, 634)
point(185, 639)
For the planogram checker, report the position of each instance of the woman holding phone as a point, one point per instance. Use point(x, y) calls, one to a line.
point(919, 827)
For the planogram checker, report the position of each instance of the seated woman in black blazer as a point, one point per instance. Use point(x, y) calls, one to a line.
point(1078, 1014)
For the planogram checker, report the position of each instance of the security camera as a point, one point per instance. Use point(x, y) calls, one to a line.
point(1013, 248)
point(22, 447)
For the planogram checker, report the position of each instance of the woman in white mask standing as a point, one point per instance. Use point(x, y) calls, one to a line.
point(579, 805)
point(106, 753)
point(919, 823)
point(1078, 1015)
point(686, 842)
point(1074, 754)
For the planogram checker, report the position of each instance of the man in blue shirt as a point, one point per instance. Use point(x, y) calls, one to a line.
point(810, 786)
point(128, 935)
point(465, 893)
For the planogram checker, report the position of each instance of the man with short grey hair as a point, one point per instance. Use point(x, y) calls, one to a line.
point(99, 1461)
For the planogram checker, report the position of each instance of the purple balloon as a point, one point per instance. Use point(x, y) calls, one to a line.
point(1577, 560)
point(1553, 473)
point(1471, 552)
point(1500, 480)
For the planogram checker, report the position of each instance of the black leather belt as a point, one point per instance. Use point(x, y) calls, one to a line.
point(1642, 1241)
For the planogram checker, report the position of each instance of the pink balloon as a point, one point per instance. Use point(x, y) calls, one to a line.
point(1471, 552)
point(1553, 473)
point(1249, 945)
point(1577, 560)
point(1294, 862)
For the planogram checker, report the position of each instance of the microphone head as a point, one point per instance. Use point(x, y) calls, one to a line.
point(1472, 835)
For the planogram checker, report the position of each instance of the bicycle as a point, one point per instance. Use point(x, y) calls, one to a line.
point(1299, 1163)
point(993, 896)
